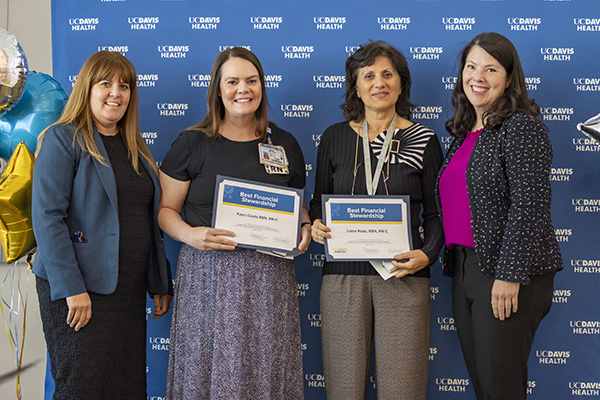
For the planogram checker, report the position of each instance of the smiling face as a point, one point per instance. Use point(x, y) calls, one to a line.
point(378, 85)
point(484, 80)
point(240, 88)
point(109, 99)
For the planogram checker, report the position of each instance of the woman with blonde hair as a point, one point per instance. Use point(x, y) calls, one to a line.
point(95, 208)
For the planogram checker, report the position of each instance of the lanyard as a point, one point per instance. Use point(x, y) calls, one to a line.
point(373, 181)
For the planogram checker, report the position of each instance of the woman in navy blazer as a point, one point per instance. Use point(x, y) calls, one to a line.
point(494, 192)
point(94, 207)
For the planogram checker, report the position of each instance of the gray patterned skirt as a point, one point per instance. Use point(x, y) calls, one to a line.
point(235, 332)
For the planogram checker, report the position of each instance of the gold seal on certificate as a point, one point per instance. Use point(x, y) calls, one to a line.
point(366, 228)
point(263, 216)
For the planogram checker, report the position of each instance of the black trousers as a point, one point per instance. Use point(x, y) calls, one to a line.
point(496, 352)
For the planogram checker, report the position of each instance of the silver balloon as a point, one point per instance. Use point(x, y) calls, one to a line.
point(13, 71)
point(591, 128)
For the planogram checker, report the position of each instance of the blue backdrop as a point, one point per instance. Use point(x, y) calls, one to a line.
point(303, 46)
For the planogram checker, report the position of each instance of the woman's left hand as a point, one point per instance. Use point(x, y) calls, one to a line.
point(161, 305)
point(505, 298)
point(415, 261)
point(304, 238)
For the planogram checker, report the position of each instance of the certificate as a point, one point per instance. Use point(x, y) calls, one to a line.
point(262, 216)
point(366, 228)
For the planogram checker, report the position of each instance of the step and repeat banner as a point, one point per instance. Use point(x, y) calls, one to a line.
point(303, 46)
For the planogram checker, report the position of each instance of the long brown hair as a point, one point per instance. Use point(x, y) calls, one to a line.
point(514, 100)
point(216, 109)
point(104, 65)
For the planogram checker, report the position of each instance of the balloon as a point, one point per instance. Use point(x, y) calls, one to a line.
point(591, 128)
point(40, 106)
point(13, 71)
point(16, 231)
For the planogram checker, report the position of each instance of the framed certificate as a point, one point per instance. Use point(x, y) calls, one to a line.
point(366, 228)
point(263, 216)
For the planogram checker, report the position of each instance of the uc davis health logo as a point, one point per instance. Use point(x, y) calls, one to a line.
point(301, 289)
point(524, 24)
point(562, 234)
point(426, 112)
point(561, 295)
point(266, 23)
point(290, 51)
point(532, 82)
point(587, 24)
point(314, 380)
point(172, 109)
point(458, 23)
point(170, 51)
point(329, 81)
point(273, 81)
point(393, 23)
point(586, 205)
point(560, 174)
point(446, 323)
point(587, 84)
point(149, 137)
point(585, 388)
point(83, 24)
point(142, 23)
point(553, 356)
point(297, 110)
point(557, 113)
point(329, 23)
point(452, 384)
point(116, 48)
point(159, 343)
point(426, 52)
point(199, 80)
point(585, 144)
point(557, 53)
point(147, 80)
point(585, 266)
point(204, 23)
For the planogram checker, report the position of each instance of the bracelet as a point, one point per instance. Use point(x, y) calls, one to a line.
point(305, 223)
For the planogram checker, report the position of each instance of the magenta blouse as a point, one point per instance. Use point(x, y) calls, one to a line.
point(456, 212)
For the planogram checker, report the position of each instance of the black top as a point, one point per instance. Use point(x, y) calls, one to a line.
point(197, 158)
point(508, 180)
point(413, 170)
point(135, 195)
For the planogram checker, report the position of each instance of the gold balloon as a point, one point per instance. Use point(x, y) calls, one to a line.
point(13, 71)
point(16, 231)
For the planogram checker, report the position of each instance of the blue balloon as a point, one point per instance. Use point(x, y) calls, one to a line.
point(40, 106)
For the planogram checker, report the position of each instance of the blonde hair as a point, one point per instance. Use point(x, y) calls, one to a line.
point(104, 65)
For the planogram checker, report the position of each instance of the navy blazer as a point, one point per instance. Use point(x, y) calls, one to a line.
point(508, 181)
point(73, 192)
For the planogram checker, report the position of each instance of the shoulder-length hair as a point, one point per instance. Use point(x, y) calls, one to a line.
point(216, 109)
point(514, 100)
point(354, 108)
point(104, 65)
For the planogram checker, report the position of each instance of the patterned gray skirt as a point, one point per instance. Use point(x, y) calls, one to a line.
point(235, 332)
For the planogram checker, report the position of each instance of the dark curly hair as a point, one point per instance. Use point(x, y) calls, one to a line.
point(354, 108)
point(514, 100)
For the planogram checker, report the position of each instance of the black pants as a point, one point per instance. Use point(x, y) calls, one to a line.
point(495, 351)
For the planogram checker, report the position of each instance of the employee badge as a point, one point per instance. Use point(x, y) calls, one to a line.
point(273, 157)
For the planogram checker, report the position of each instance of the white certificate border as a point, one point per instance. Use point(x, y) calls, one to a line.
point(245, 183)
point(364, 199)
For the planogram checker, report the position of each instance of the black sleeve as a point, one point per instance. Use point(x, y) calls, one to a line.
point(177, 160)
point(323, 176)
point(432, 226)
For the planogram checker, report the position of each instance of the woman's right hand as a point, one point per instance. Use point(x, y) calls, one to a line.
point(205, 238)
point(319, 231)
point(80, 310)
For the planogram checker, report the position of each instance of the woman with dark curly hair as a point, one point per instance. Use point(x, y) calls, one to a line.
point(356, 303)
point(494, 191)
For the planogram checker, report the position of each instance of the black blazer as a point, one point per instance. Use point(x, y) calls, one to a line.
point(508, 181)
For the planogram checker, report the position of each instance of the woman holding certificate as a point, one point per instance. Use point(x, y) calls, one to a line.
point(494, 189)
point(356, 303)
point(235, 332)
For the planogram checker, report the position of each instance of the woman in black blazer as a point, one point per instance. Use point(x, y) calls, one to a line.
point(494, 202)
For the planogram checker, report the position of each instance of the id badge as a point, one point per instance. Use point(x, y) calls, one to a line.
point(272, 155)
point(274, 170)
